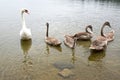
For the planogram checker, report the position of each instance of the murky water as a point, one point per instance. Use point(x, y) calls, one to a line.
point(34, 60)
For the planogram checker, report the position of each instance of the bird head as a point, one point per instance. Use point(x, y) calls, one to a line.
point(24, 11)
point(47, 24)
point(90, 26)
point(107, 24)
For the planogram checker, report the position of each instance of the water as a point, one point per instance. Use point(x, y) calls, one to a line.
point(34, 60)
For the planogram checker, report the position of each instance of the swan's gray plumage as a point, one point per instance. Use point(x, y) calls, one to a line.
point(51, 40)
point(85, 35)
point(70, 41)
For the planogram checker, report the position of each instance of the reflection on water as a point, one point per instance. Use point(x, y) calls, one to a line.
point(84, 44)
point(25, 46)
point(58, 48)
point(27, 62)
point(96, 56)
point(73, 59)
point(67, 17)
point(47, 49)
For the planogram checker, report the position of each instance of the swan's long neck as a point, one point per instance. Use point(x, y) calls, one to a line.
point(102, 34)
point(47, 30)
point(23, 21)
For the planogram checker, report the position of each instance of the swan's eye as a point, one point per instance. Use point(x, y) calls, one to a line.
point(107, 23)
point(26, 11)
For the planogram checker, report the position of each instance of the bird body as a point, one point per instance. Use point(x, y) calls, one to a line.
point(83, 36)
point(25, 34)
point(110, 35)
point(69, 41)
point(101, 38)
point(98, 45)
point(52, 41)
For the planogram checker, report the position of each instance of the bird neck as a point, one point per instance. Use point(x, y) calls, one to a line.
point(102, 34)
point(47, 31)
point(23, 21)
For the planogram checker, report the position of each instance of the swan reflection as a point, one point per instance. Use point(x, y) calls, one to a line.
point(84, 44)
point(27, 62)
point(25, 46)
point(47, 49)
point(73, 59)
point(96, 56)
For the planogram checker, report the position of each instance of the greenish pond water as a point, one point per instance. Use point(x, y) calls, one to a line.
point(35, 60)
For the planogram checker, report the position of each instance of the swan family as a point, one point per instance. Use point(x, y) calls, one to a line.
point(100, 43)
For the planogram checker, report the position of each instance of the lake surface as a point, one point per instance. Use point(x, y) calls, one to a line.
point(35, 60)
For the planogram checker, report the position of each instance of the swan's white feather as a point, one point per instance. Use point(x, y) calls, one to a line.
point(25, 34)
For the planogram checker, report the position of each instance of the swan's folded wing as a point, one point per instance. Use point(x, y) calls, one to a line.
point(52, 41)
point(83, 35)
point(97, 45)
point(110, 35)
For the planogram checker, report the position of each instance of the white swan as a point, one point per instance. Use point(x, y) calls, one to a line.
point(25, 33)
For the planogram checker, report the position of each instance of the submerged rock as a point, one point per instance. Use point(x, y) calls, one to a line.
point(65, 73)
point(63, 65)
